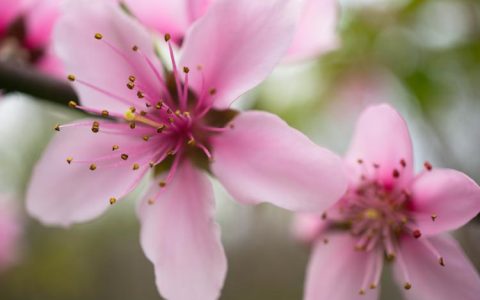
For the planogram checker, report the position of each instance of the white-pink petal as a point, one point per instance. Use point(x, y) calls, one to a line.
point(181, 239)
point(316, 32)
point(237, 44)
point(336, 271)
point(95, 62)
point(168, 16)
point(457, 280)
point(381, 137)
point(61, 194)
point(262, 159)
point(443, 200)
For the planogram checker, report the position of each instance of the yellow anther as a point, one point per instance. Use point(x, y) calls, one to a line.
point(113, 200)
point(167, 37)
point(390, 256)
point(143, 113)
point(98, 36)
point(160, 128)
point(129, 115)
point(159, 105)
point(95, 127)
point(186, 70)
point(146, 138)
point(69, 159)
point(115, 147)
point(130, 85)
point(131, 78)
point(105, 113)
point(162, 184)
point(124, 156)
point(57, 127)
point(407, 285)
point(71, 77)
point(136, 166)
point(72, 104)
point(132, 125)
point(191, 141)
point(140, 95)
point(93, 167)
point(371, 214)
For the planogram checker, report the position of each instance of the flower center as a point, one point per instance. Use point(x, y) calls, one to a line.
point(377, 217)
point(175, 121)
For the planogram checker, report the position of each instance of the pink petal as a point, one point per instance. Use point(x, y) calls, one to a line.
point(10, 10)
point(181, 239)
point(336, 271)
point(10, 233)
point(451, 196)
point(95, 62)
point(307, 227)
point(263, 159)
point(168, 16)
point(457, 280)
point(40, 17)
point(316, 32)
point(238, 43)
point(61, 194)
point(381, 137)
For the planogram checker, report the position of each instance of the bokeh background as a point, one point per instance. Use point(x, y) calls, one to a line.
point(423, 56)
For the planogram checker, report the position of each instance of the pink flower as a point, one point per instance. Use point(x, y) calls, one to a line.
point(177, 122)
point(25, 33)
point(10, 232)
point(315, 33)
point(390, 213)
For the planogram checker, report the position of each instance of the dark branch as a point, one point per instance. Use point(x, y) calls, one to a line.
point(30, 81)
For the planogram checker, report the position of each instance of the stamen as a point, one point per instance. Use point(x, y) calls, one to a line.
point(368, 274)
point(434, 251)
point(174, 66)
point(403, 267)
point(378, 272)
point(112, 200)
point(95, 127)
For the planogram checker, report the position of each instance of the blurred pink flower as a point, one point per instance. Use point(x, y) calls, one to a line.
point(178, 123)
point(388, 212)
point(25, 33)
point(315, 33)
point(10, 233)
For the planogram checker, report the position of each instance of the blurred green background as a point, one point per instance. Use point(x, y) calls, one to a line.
point(423, 56)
